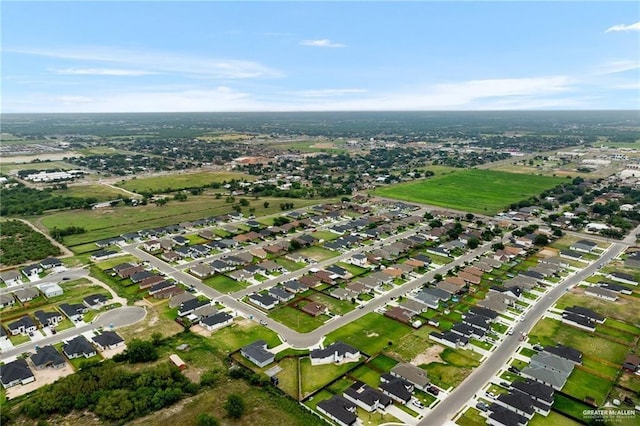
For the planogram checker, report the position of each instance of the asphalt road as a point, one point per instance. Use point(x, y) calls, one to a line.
point(116, 318)
point(444, 411)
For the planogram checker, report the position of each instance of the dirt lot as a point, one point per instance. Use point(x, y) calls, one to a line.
point(110, 353)
point(43, 377)
point(432, 354)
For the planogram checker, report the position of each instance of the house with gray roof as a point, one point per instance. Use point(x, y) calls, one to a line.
point(622, 278)
point(396, 388)
point(24, 325)
point(549, 369)
point(413, 306)
point(11, 277)
point(257, 353)
point(108, 340)
point(414, 375)
point(26, 294)
point(50, 290)
point(216, 321)
point(339, 409)
point(6, 299)
point(428, 299)
point(601, 293)
point(367, 397)
point(47, 357)
point(263, 300)
point(337, 353)
point(281, 294)
point(16, 373)
point(583, 246)
point(77, 347)
point(48, 319)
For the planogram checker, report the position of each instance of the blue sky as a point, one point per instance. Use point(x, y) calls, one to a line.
point(317, 56)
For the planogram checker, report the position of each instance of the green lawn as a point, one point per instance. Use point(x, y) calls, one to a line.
point(241, 333)
point(297, 320)
point(569, 406)
point(318, 253)
point(315, 377)
point(594, 365)
point(290, 265)
point(224, 284)
point(478, 191)
point(383, 363)
point(582, 384)
point(471, 417)
point(549, 332)
point(370, 333)
point(175, 181)
point(555, 419)
point(367, 375)
point(288, 378)
point(621, 310)
point(338, 307)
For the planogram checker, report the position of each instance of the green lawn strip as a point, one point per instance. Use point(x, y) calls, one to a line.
point(296, 319)
point(549, 332)
point(370, 333)
point(554, 418)
point(289, 265)
point(315, 377)
point(340, 385)
point(108, 264)
point(407, 410)
point(471, 417)
point(623, 326)
point(353, 269)
point(239, 334)
point(123, 288)
point(288, 377)
point(224, 284)
point(322, 395)
point(375, 418)
point(366, 375)
point(528, 352)
point(325, 235)
point(382, 363)
point(477, 191)
point(446, 376)
point(616, 333)
point(84, 248)
point(569, 406)
point(582, 384)
point(599, 367)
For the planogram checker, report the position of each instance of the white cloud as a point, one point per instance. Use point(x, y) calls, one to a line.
point(325, 42)
point(102, 71)
point(329, 92)
point(623, 27)
point(613, 67)
point(155, 61)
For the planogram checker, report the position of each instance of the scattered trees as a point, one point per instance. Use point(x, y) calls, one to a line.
point(234, 406)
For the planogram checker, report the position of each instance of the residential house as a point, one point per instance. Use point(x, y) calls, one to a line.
point(202, 270)
point(622, 278)
point(161, 287)
point(11, 278)
point(191, 305)
point(632, 260)
point(501, 416)
point(16, 373)
point(518, 402)
point(336, 353)
point(450, 339)
point(601, 293)
point(26, 294)
point(47, 357)
point(293, 286)
point(587, 313)
point(24, 325)
point(396, 388)
point(583, 246)
point(6, 299)
point(48, 319)
point(74, 312)
point(367, 397)
point(50, 263)
point(631, 363)
point(77, 347)
point(179, 299)
point(281, 294)
point(399, 314)
point(257, 353)
point(138, 277)
point(549, 369)
point(95, 301)
point(151, 246)
point(150, 281)
point(413, 306)
point(108, 340)
point(32, 272)
point(579, 321)
point(339, 409)
point(216, 321)
point(50, 290)
point(170, 256)
point(487, 313)
point(538, 391)
point(314, 309)
point(414, 375)
point(263, 300)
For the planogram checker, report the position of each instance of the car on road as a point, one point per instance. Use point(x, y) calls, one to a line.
point(510, 332)
point(263, 322)
point(66, 278)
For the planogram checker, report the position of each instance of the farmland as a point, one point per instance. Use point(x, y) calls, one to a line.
point(477, 191)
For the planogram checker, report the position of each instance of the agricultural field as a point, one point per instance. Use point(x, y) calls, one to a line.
point(100, 192)
point(176, 182)
point(477, 191)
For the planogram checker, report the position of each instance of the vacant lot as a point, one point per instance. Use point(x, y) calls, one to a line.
point(241, 333)
point(370, 334)
point(582, 384)
point(176, 182)
point(315, 377)
point(479, 191)
point(105, 223)
point(622, 309)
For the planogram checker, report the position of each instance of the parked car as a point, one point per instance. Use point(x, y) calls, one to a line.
point(505, 384)
point(433, 390)
point(482, 406)
point(491, 395)
point(514, 370)
point(417, 403)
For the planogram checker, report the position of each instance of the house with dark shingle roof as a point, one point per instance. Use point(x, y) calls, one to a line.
point(263, 300)
point(339, 410)
point(95, 301)
point(565, 352)
point(48, 319)
point(47, 357)
point(397, 388)
point(257, 353)
point(16, 373)
point(367, 397)
point(108, 340)
point(337, 353)
point(216, 321)
point(583, 246)
point(77, 347)
point(24, 325)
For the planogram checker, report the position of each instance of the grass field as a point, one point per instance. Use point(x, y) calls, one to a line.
point(297, 320)
point(370, 333)
point(176, 182)
point(315, 377)
point(582, 384)
point(555, 419)
point(549, 332)
point(224, 284)
point(105, 223)
point(241, 333)
point(478, 191)
point(622, 309)
point(6, 167)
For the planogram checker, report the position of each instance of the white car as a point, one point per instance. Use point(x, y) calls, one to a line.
point(417, 403)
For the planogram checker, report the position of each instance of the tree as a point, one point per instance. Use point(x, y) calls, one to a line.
point(234, 406)
point(266, 204)
point(156, 338)
point(244, 202)
point(205, 419)
point(541, 240)
point(497, 246)
point(141, 351)
point(473, 243)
